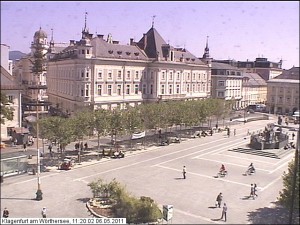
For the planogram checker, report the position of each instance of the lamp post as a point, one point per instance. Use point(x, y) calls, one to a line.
point(39, 194)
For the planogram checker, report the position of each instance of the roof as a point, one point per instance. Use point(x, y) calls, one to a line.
point(103, 49)
point(291, 74)
point(254, 79)
point(40, 34)
point(223, 66)
point(8, 82)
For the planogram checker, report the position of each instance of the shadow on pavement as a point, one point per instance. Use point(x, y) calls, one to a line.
point(84, 200)
point(19, 199)
point(247, 198)
point(178, 178)
point(274, 215)
point(216, 219)
point(212, 207)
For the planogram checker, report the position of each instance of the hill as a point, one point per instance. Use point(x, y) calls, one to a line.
point(14, 55)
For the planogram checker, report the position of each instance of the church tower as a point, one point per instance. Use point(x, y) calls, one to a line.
point(84, 45)
point(206, 57)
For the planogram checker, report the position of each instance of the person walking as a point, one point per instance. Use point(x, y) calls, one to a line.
point(252, 192)
point(184, 172)
point(5, 213)
point(224, 212)
point(44, 212)
point(293, 136)
point(219, 200)
point(24, 147)
point(255, 190)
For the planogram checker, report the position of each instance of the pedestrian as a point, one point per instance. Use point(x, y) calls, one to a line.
point(217, 126)
point(184, 172)
point(293, 136)
point(5, 213)
point(44, 211)
point(252, 191)
point(234, 132)
point(85, 146)
point(248, 132)
point(224, 212)
point(81, 146)
point(24, 146)
point(255, 190)
point(219, 200)
point(228, 132)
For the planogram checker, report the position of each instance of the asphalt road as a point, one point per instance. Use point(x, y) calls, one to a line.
point(157, 173)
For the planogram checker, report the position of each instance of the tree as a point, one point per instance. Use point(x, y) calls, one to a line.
point(101, 123)
point(135, 210)
point(285, 197)
point(7, 112)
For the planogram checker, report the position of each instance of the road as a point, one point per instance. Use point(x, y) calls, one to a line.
point(157, 173)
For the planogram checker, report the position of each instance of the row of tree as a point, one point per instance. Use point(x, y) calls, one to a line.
point(118, 121)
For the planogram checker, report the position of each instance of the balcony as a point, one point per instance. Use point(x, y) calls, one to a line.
point(175, 96)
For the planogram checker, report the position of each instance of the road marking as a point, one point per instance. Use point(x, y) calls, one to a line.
point(234, 164)
point(279, 167)
point(194, 153)
point(197, 216)
point(252, 160)
point(271, 183)
point(205, 176)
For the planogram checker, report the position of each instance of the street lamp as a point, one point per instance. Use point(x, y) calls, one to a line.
point(39, 194)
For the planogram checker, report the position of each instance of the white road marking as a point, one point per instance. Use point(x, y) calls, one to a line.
point(271, 183)
point(206, 176)
point(234, 164)
point(279, 167)
point(252, 160)
point(196, 216)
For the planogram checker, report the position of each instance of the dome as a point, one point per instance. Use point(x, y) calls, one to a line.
point(40, 34)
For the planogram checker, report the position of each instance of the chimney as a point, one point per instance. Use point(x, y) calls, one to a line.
point(72, 42)
point(131, 41)
point(100, 36)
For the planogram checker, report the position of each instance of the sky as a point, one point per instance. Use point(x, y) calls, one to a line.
point(237, 30)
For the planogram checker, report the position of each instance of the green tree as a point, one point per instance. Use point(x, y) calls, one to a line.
point(101, 123)
point(285, 197)
point(7, 112)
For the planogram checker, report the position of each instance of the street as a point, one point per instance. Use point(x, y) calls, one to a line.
point(157, 172)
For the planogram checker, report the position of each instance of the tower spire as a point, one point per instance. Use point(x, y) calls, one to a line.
point(85, 18)
point(206, 50)
point(153, 17)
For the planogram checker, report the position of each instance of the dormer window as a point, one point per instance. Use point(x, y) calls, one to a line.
point(128, 53)
point(187, 59)
point(110, 51)
point(119, 52)
point(136, 53)
point(193, 60)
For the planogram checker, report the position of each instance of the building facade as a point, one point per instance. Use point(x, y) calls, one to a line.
point(283, 92)
point(12, 89)
point(100, 72)
point(254, 89)
point(227, 83)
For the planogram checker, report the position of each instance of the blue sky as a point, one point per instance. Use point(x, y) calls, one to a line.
point(237, 30)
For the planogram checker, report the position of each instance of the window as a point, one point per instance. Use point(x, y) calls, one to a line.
point(163, 75)
point(119, 89)
point(221, 83)
point(177, 89)
point(109, 89)
point(136, 74)
point(119, 74)
point(82, 73)
point(128, 89)
point(171, 75)
point(82, 51)
point(193, 88)
point(82, 92)
point(151, 76)
point(136, 89)
point(87, 51)
point(178, 76)
point(220, 94)
point(128, 74)
point(145, 75)
point(199, 87)
point(10, 98)
point(188, 76)
point(100, 74)
point(188, 88)
point(170, 88)
point(109, 74)
point(162, 89)
point(151, 89)
point(194, 76)
point(99, 89)
point(144, 89)
point(87, 74)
